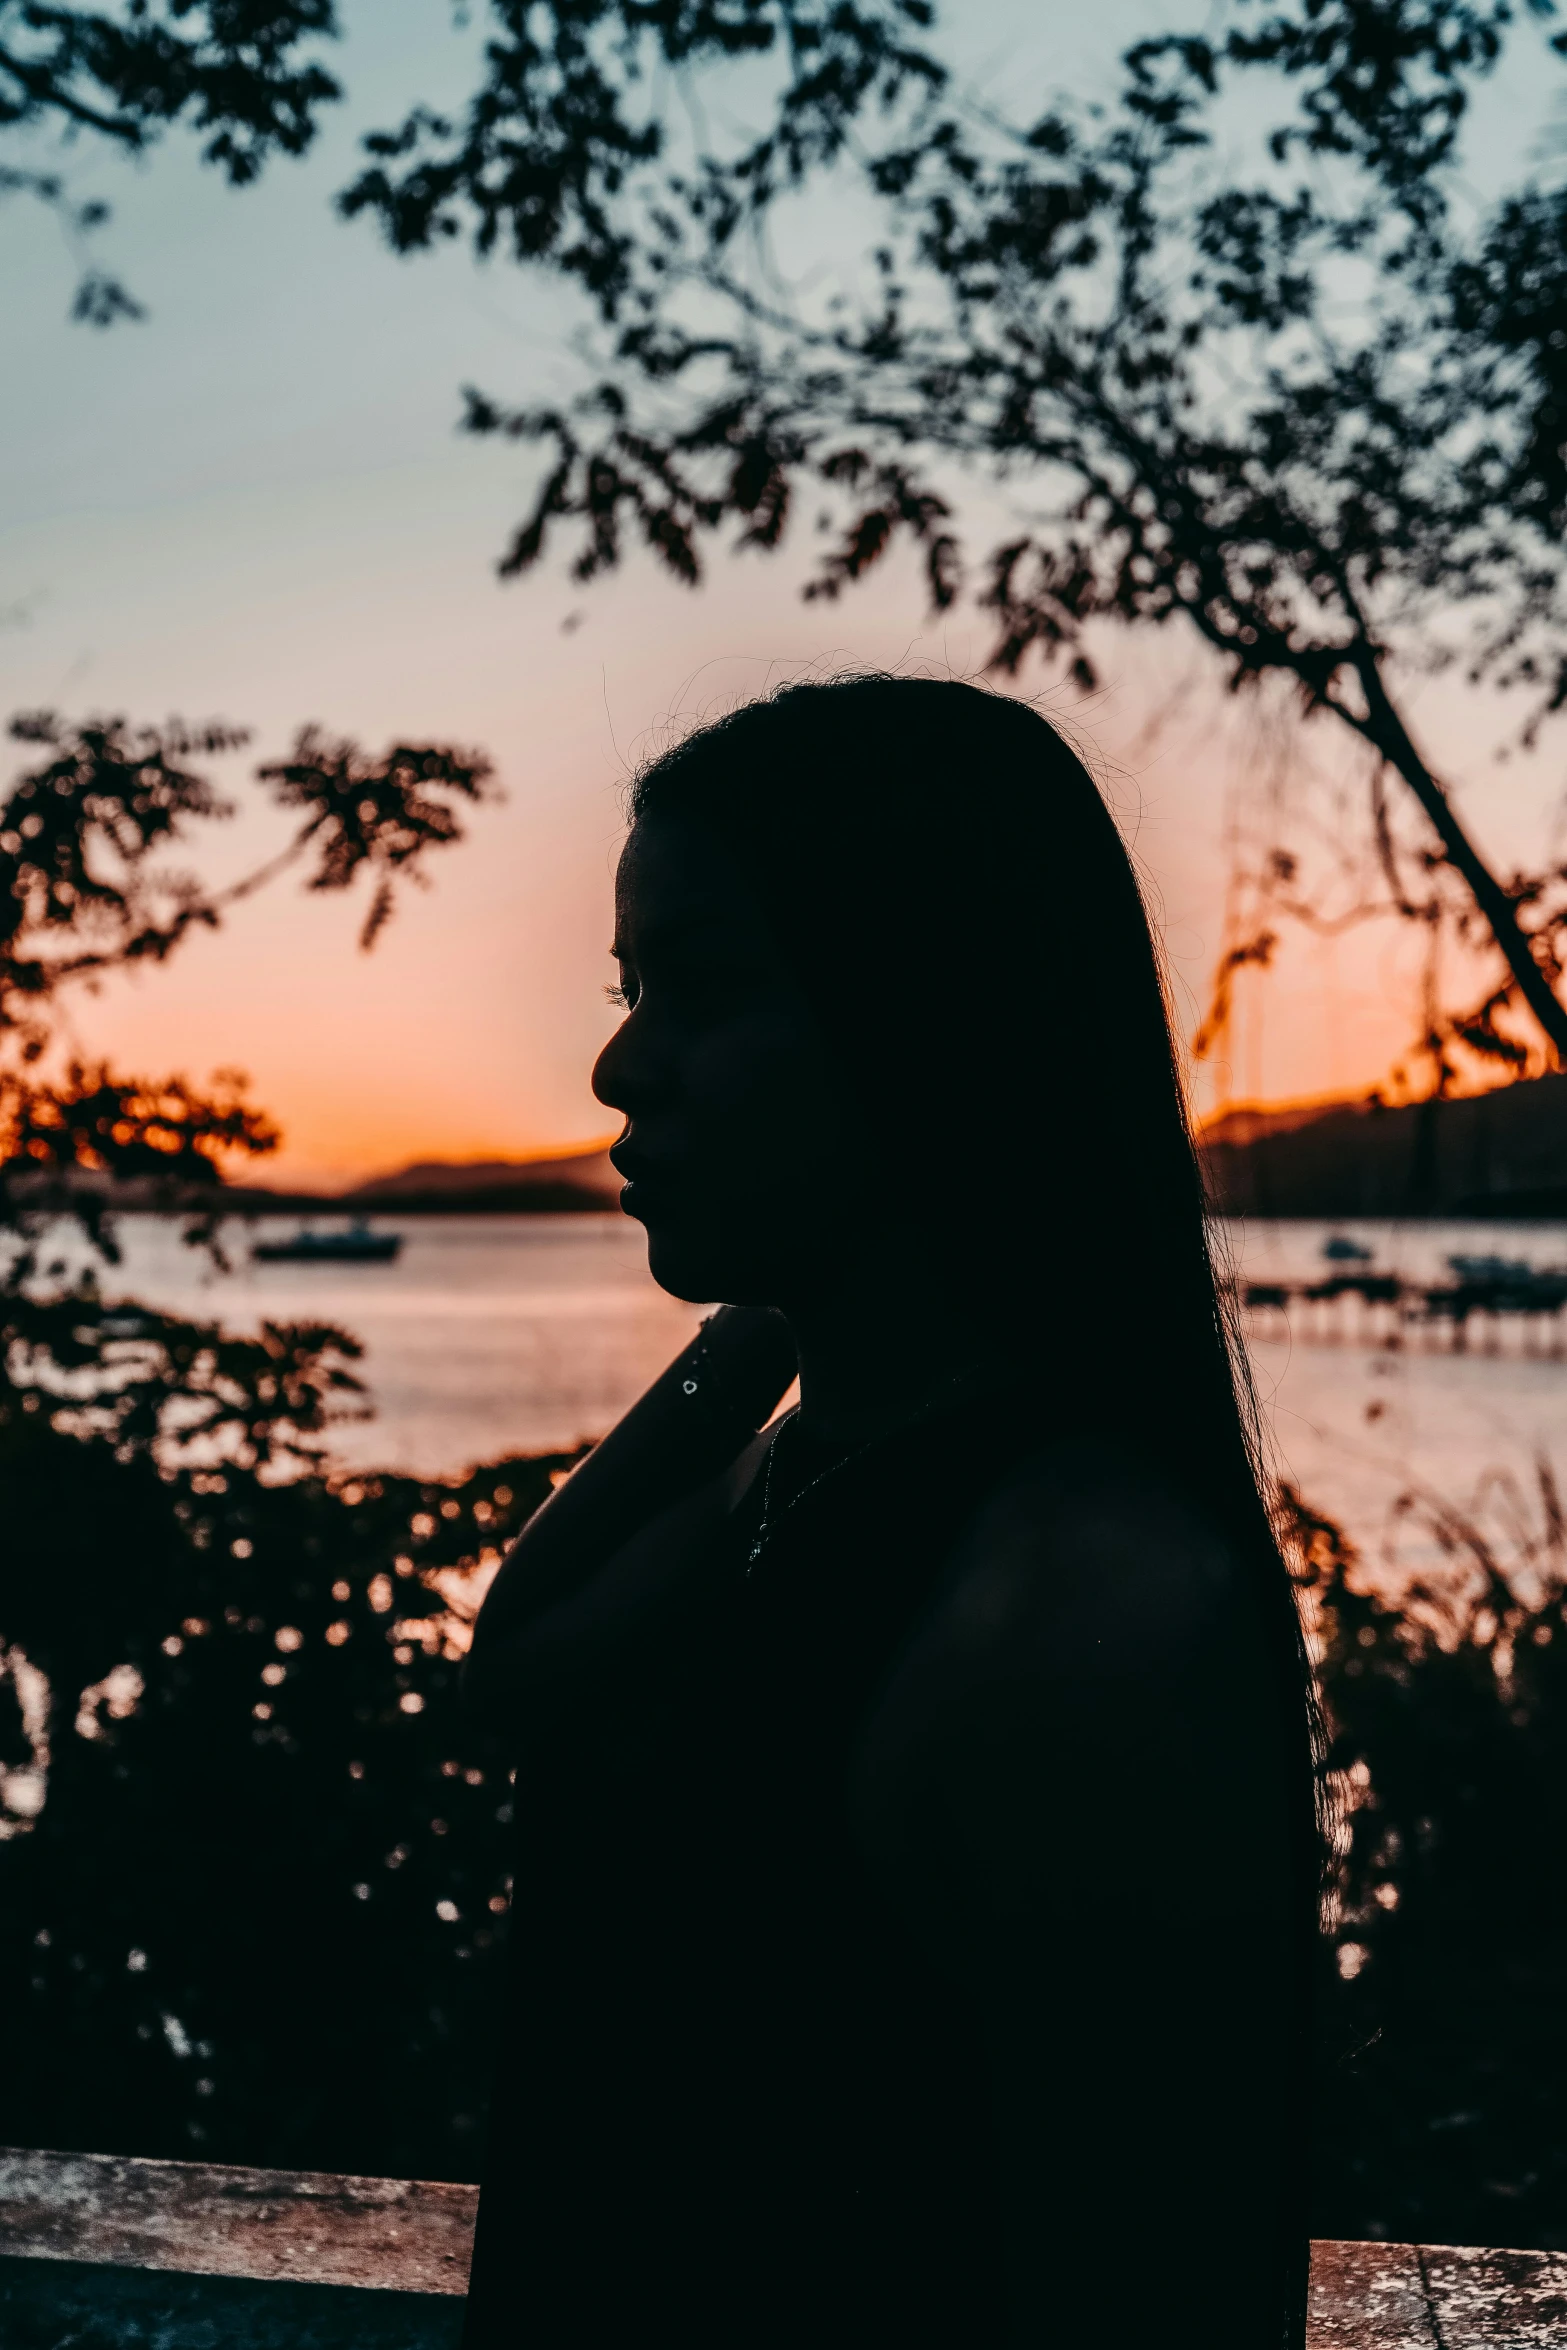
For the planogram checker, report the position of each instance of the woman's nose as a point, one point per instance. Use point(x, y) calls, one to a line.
point(625, 1075)
point(605, 1077)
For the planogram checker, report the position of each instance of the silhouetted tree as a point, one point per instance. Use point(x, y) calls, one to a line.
point(1303, 410)
point(81, 896)
point(209, 1745)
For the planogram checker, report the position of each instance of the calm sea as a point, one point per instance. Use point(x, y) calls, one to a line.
point(495, 1334)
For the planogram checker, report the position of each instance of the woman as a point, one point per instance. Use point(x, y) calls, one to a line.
point(916, 1874)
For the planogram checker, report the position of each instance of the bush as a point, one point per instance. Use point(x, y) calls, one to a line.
point(250, 1880)
point(252, 1875)
point(1444, 2087)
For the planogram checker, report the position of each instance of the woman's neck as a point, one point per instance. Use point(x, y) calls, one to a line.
point(877, 1353)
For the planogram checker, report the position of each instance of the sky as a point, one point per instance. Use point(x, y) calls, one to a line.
point(254, 504)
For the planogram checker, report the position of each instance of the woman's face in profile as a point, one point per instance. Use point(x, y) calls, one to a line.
point(744, 1156)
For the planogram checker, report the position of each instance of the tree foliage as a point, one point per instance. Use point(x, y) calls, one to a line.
point(1299, 403)
point(82, 895)
point(231, 67)
point(237, 72)
point(192, 1644)
point(1318, 473)
point(1304, 407)
point(565, 153)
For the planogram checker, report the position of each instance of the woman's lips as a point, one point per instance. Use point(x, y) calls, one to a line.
point(635, 1167)
point(650, 1186)
point(644, 1189)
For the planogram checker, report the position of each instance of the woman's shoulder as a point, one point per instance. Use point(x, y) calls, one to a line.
point(1091, 1553)
point(1082, 1670)
point(1090, 1602)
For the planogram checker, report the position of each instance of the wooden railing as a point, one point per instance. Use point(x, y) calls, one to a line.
point(102, 2248)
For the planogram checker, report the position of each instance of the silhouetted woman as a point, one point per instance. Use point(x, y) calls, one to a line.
point(916, 1866)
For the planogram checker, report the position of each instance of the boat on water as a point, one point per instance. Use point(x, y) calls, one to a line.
point(1341, 1250)
point(355, 1245)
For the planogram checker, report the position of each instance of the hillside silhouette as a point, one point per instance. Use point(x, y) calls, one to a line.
point(573, 1182)
point(1500, 1154)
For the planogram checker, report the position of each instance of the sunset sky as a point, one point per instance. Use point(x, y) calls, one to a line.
point(254, 504)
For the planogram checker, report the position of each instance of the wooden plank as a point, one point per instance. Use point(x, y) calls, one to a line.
point(1368, 2297)
point(1489, 2297)
point(207, 2219)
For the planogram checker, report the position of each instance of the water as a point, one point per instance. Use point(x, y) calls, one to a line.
point(502, 1334)
point(489, 1335)
point(1372, 1435)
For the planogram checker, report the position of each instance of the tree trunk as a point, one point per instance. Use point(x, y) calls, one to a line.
point(1386, 731)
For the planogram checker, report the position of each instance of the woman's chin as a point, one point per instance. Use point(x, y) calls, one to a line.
point(690, 1266)
point(679, 1263)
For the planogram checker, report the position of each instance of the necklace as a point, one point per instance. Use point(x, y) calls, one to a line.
point(769, 1522)
point(759, 1544)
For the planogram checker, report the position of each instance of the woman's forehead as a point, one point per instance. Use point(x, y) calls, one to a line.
point(675, 876)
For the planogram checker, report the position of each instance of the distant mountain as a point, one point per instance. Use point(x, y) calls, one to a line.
point(572, 1180)
point(578, 1182)
point(1494, 1154)
point(1250, 1121)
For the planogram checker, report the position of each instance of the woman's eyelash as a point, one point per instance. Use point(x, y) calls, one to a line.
point(618, 995)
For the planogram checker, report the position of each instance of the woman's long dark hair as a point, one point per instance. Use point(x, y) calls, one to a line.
point(951, 889)
point(922, 838)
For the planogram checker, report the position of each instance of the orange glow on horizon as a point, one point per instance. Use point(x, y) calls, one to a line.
point(1296, 1109)
point(1293, 1108)
point(343, 1157)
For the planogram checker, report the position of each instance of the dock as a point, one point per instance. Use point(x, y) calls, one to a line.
point(1490, 1304)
